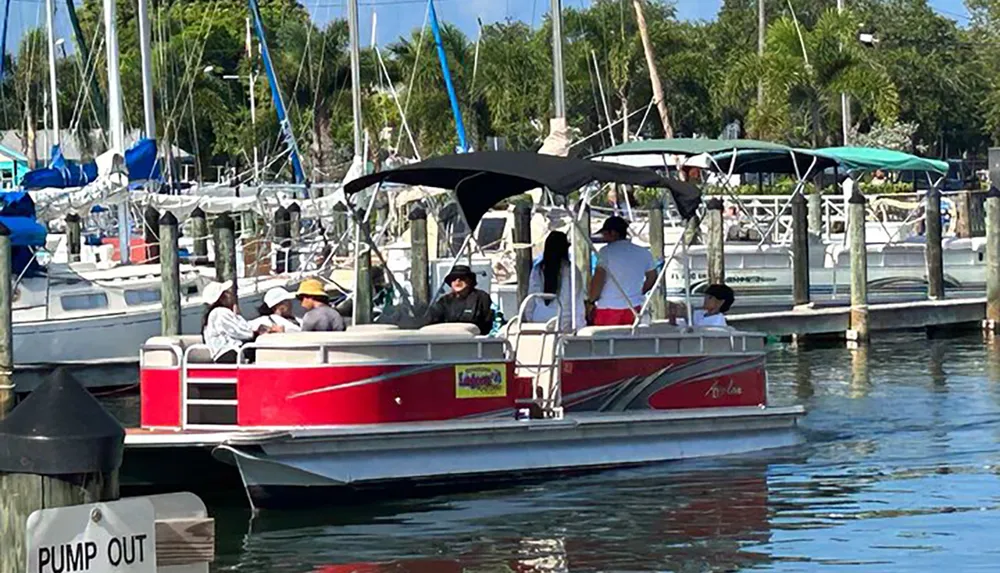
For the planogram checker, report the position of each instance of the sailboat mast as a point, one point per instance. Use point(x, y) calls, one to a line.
point(352, 24)
point(558, 83)
point(459, 124)
point(147, 70)
point(115, 127)
point(53, 90)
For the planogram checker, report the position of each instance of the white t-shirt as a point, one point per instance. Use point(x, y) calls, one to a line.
point(275, 320)
point(702, 319)
point(628, 263)
point(226, 331)
point(538, 311)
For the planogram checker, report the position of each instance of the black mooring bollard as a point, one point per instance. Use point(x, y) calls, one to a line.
point(59, 447)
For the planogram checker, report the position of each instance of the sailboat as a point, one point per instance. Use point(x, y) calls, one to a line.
point(91, 313)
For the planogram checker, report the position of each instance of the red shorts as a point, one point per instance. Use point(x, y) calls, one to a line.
point(614, 316)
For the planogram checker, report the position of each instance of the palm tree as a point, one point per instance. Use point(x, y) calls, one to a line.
point(804, 71)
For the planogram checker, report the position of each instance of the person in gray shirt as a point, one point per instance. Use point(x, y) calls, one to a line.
point(320, 316)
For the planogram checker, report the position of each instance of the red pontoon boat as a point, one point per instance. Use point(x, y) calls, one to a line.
point(379, 407)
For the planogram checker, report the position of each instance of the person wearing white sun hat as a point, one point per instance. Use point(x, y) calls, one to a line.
point(277, 311)
point(224, 330)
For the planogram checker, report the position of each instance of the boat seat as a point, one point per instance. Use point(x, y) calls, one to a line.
point(659, 338)
point(371, 327)
point(156, 353)
point(454, 344)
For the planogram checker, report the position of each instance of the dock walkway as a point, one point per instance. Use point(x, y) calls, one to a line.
point(881, 317)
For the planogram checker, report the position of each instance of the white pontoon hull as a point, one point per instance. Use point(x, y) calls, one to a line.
point(284, 468)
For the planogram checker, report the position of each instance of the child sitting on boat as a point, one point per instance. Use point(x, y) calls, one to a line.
point(718, 300)
point(277, 311)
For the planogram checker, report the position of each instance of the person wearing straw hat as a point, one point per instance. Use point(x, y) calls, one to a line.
point(465, 303)
point(277, 311)
point(625, 273)
point(224, 330)
point(320, 316)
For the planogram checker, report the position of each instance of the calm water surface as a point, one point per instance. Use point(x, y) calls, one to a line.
point(899, 472)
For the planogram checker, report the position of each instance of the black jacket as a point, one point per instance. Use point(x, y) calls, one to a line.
point(474, 307)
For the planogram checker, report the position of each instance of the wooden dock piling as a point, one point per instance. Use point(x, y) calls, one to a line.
point(815, 201)
point(658, 304)
point(170, 277)
point(363, 277)
point(295, 222)
point(199, 231)
point(992, 322)
point(283, 237)
point(73, 237)
point(419, 260)
point(7, 390)
point(715, 242)
point(339, 230)
point(225, 250)
point(151, 229)
point(522, 249)
point(932, 253)
point(859, 268)
point(800, 250)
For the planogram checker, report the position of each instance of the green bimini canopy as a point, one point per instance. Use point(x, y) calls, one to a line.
point(658, 153)
point(871, 158)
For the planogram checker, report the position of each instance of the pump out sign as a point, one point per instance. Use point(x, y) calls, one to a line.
point(113, 537)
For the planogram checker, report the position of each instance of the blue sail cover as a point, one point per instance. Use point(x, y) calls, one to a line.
point(17, 213)
point(61, 172)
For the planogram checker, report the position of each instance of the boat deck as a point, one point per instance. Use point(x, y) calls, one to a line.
point(150, 438)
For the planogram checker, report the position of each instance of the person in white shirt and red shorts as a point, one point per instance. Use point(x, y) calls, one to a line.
point(625, 273)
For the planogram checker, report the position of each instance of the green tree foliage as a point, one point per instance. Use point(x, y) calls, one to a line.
point(926, 72)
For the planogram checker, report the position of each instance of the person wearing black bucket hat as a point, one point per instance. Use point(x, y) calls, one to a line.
point(625, 273)
point(464, 303)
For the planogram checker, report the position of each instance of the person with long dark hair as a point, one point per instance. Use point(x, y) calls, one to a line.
point(551, 275)
point(222, 327)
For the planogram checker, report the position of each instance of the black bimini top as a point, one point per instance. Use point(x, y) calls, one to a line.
point(483, 179)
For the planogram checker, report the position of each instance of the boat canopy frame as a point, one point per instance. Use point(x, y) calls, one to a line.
point(480, 180)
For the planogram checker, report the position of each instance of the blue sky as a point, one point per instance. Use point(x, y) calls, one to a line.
point(398, 17)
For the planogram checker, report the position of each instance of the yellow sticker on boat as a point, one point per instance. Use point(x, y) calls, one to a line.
point(481, 380)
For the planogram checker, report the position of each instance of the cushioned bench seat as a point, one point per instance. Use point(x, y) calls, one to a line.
point(453, 343)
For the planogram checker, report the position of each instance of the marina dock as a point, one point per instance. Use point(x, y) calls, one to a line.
point(836, 321)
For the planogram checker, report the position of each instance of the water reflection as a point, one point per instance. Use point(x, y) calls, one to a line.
point(693, 520)
point(900, 472)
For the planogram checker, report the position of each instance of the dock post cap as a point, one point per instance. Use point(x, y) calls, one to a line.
point(294, 208)
point(198, 213)
point(224, 221)
point(280, 212)
point(993, 192)
point(60, 429)
point(857, 198)
point(522, 207)
point(150, 210)
point(168, 219)
point(799, 197)
point(417, 212)
point(72, 218)
point(714, 204)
